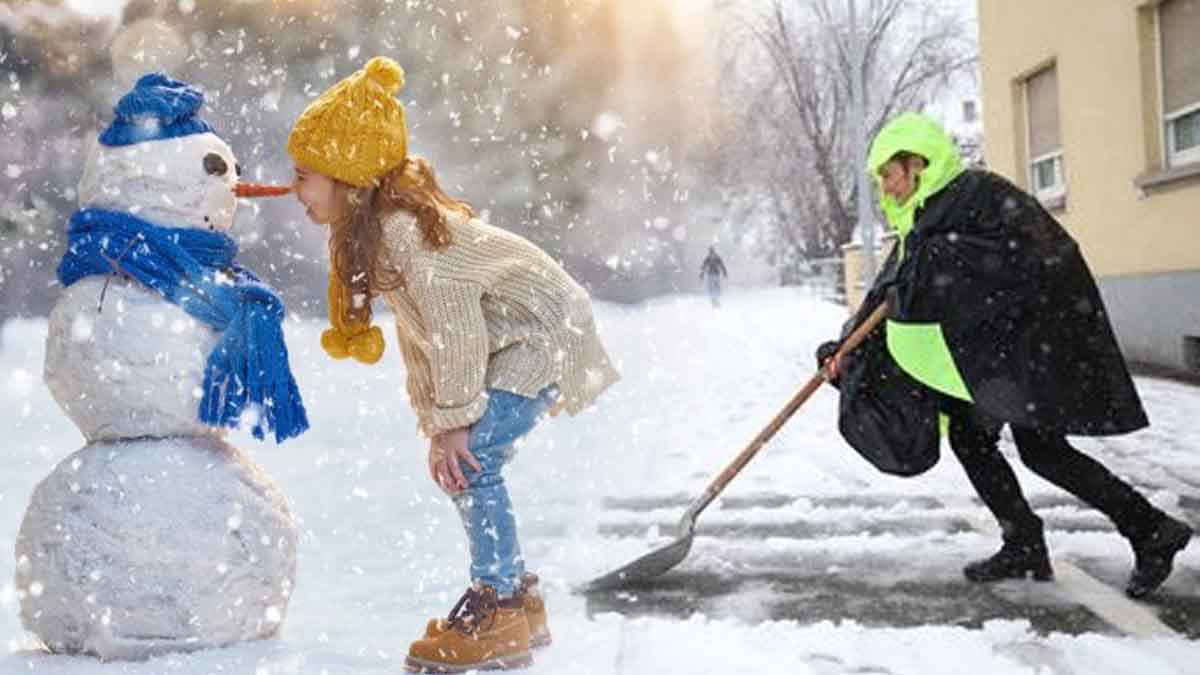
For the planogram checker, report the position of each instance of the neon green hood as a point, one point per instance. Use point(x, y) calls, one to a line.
point(921, 135)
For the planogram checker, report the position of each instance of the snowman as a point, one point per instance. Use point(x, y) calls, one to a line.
point(158, 535)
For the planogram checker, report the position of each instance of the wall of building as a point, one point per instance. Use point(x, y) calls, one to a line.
point(1142, 241)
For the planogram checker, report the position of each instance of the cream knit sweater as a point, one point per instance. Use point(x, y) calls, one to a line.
point(490, 311)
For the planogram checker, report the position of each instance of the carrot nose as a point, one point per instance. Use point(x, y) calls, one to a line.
point(252, 190)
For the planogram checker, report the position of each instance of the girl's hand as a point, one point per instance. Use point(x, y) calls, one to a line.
point(445, 451)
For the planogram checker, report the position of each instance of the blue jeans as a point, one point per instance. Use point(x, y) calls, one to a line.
point(486, 511)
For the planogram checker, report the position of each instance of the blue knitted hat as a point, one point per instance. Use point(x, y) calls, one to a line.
point(157, 108)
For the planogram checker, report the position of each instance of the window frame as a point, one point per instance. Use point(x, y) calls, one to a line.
point(1172, 157)
point(1054, 194)
point(1059, 187)
point(1175, 156)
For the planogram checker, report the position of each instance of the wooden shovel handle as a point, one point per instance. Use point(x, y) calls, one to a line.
point(814, 383)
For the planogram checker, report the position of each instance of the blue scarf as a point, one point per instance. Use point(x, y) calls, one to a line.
point(194, 269)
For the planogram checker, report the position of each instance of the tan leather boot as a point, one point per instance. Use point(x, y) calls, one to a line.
point(535, 614)
point(535, 611)
point(481, 633)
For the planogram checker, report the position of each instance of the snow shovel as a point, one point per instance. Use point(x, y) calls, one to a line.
point(664, 558)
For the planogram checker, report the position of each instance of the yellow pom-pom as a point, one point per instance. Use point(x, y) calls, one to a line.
point(367, 347)
point(386, 73)
point(334, 343)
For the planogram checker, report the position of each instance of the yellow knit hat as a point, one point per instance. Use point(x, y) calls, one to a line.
point(355, 132)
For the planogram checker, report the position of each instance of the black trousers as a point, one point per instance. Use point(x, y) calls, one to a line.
point(1049, 455)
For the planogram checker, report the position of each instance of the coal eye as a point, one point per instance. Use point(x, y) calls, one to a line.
point(214, 165)
point(238, 168)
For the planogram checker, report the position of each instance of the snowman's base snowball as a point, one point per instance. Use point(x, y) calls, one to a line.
point(134, 548)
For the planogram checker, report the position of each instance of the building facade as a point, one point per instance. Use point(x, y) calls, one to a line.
point(1095, 108)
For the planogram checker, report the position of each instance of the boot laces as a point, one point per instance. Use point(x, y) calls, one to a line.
point(475, 608)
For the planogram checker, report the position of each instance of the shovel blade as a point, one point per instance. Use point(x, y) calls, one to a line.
point(647, 567)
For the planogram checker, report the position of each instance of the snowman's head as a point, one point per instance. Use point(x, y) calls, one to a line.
point(173, 182)
point(159, 161)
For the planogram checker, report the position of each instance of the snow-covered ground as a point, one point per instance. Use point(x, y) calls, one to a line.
point(810, 563)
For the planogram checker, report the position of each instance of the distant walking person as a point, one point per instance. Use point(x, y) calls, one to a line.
point(711, 271)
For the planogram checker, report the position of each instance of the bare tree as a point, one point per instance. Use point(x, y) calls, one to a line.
point(795, 55)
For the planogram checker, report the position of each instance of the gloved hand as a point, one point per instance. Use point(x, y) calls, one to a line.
point(892, 298)
point(825, 352)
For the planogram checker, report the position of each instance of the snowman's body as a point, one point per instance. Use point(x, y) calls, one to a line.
point(157, 535)
point(129, 366)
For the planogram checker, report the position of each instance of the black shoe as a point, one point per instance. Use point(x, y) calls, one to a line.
point(1153, 556)
point(1012, 561)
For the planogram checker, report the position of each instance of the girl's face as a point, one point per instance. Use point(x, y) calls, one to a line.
point(319, 194)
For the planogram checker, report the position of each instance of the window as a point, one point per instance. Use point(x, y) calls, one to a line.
point(1179, 58)
point(1183, 136)
point(1046, 174)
